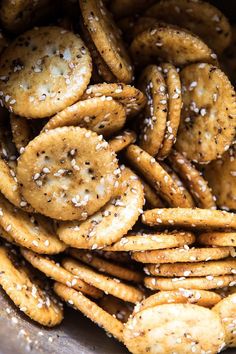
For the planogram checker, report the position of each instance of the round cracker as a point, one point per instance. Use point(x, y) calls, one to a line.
point(201, 218)
point(133, 99)
point(116, 307)
point(19, 15)
point(196, 269)
point(182, 296)
point(151, 197)
point(100, 68)
point(178, 182)
point(200, 17)
point(218, 238)
point(170, 44)
point(102, 115)
point(200, 283)
point(156, 176)
point(90, 310)
point(184, 254)
point(107, 284)
point(174, 328)
point(107, 39)
point(207, 125)
point(56, 272)
point(223, 188)
point(152, 241)
point(9, 187)
point(67, 173)
point(153, 125)
point(51, 69)
point(226, 309)
point(111, 222)
point(196, 184)
point(21, 132)
point(174, 108)
point(107, 267)
point(122, 140)
point(25, 293)
point(33, 232)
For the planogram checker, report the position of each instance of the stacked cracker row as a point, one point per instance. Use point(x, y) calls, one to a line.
point(117, 169)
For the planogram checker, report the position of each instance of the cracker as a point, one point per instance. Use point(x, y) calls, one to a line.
point(223, 188)
point(133, 99)
point(67, 173)
point(90, 309)
point(200, 283)
point(56, 272)
point(215, 238)
point(151, 197)
point(182, 296)
point(153, 125)
point(197, 185)
point(116, 307)
point(184, 254)
point(122, 140)
point(156, 176)
point(107, 267)
point(20, 15)
point(195, 269)
point(171, 44)
point(111, 222)
point(102, 115)
point(40, 54)
point(9, 187)
point(21, 132)
point(207, 125)
point(107, 39)
point(200, 17)
point(226, 309)
point(101, 70)
point(25, 293)
point(33, 232)
point(174, 328)
point(174, 108)
point(152, 241)
point(112, 286)
point(200, 218)
point(178, 182)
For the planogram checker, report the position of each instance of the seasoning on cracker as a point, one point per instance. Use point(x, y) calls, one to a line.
point(56, 272)
point(208, 117)
point(37, 55)
point(174, 328)
point(112, 221)
point(25, 293)
point(68, 173)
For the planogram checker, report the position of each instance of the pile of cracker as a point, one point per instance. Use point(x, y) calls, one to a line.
point(118, 168)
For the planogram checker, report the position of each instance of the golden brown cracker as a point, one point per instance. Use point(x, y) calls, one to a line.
point(37, 55)
point(112, 221)
point(112, 286)
point(67, 173)
point(207, 125)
